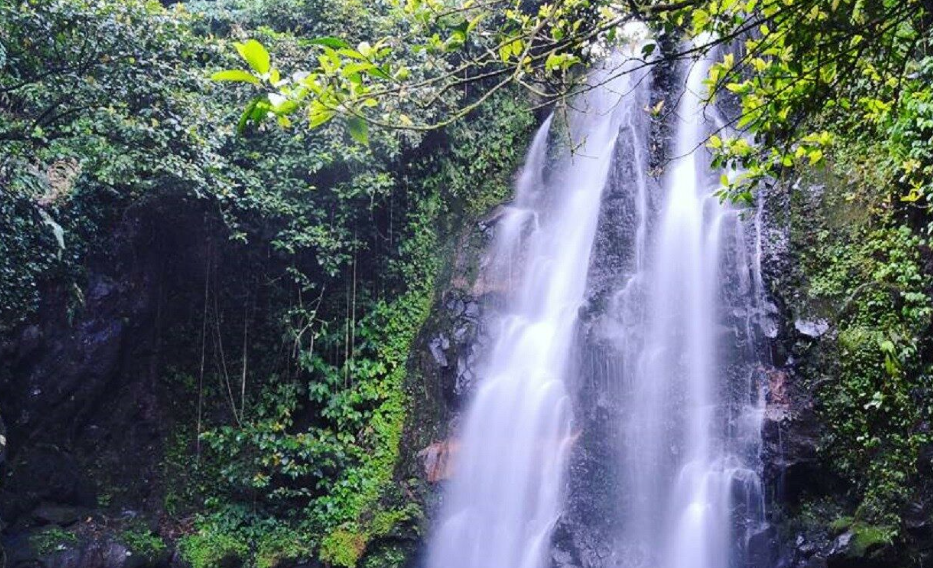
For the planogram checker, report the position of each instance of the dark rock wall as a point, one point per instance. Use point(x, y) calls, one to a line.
point(86, 412)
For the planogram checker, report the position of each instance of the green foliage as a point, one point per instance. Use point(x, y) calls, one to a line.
point(806, 73)
point(277, 547)
point(343, 547)
point(344, 466)
point(28, 254)
point(207, 549)
point(85, 131)
point(866, 274)
point(875, 407)
point(478, 171)
point(407, 72)
point(909, 127)
point(52, 539)
point(142, 542)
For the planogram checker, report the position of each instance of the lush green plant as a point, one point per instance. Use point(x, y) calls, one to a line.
point(864, 272)
point(141, 541)
point(52, 539)
point(279, 546)
point(207, 549)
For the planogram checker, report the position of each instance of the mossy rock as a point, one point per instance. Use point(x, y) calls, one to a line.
point(145, 545)
point(860, 543)
point(343, 547)
point(213, 550)
point(51, 540)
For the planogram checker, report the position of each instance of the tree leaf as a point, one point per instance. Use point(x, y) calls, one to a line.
point(235, 75)
point(245, 117)
point(255, 54)
point(381, 72)
point(359, 130)
point(815, 156)
point(329, 41)
point(318, 114)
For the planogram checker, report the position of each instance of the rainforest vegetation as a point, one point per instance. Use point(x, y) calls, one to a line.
point(224, 224)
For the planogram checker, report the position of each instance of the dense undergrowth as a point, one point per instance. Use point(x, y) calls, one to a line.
point(286, 383)
point(865, 269)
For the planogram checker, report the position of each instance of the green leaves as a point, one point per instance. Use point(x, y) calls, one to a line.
point(262, 106)
point(359, 130)
point(511, 49)
point(236, 75)
point(318, 114)
point(331, 42)
point(255, 54)
point(560, 61)
point(339, 85)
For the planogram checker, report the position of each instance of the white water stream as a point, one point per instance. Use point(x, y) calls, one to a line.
point(688, 381)
point(693, 404)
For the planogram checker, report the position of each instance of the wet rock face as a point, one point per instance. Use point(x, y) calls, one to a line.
point(791, 430)
point(439, 459)
point(790, 436)
point(80, 393)
point(60, 377)
point(455, 351)
point(453, 339)
point(453, 346)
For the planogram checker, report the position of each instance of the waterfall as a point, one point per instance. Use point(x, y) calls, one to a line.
point(678, 341)
point(506, 494)
point(691, 373)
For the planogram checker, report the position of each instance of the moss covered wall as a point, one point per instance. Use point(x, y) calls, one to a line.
point(848, 421)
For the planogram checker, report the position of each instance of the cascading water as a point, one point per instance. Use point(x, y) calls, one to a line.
point(690, 389)
point(506, 494)
point(678, 346)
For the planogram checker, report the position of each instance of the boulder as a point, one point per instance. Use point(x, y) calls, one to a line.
point(438, 460)
point(54, 514)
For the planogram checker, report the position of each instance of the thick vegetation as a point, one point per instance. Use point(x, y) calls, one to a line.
point(287, 377)
point(370, 134)
point(865, 271)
